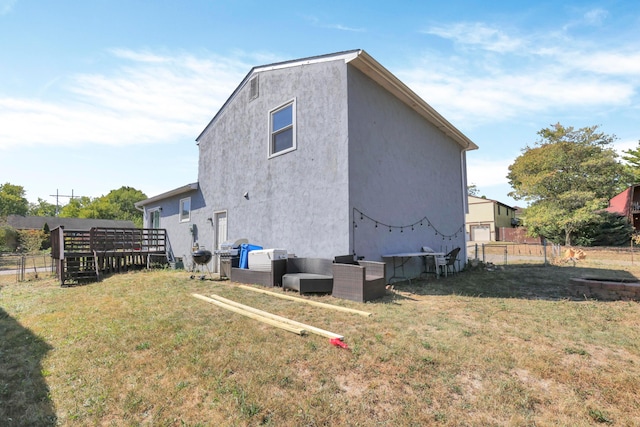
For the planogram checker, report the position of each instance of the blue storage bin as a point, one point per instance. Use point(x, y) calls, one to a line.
point(245, 248)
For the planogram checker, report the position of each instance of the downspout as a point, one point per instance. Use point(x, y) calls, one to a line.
point(144, 214)
point(465, 199)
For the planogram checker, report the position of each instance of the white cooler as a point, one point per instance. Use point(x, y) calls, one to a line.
point(260, 260)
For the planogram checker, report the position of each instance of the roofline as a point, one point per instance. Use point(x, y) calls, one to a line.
point(276, 66)
point(175, 192)
point(374, 70)
point(485, 200)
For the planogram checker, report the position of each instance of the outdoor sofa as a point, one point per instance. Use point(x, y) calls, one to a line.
point(265, 278)
point(308, 275)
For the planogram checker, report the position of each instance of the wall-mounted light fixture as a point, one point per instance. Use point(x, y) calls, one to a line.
point(246, 195)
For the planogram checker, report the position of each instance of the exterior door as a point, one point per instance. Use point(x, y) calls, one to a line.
point(154, 219)
point(220, 222)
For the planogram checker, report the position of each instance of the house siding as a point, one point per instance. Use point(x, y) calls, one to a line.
point(363, 154)
point(483, 212)
point(401, 169)
point(234, 161)
point(181, 235)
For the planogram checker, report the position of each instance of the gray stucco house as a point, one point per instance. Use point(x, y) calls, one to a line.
point(322, 156)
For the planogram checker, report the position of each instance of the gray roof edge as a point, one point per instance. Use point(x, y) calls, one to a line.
point(378, 73)
point(175, 192)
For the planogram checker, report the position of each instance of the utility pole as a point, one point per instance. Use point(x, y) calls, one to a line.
point(57, 196)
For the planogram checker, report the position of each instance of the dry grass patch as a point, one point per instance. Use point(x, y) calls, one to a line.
point(500, 348)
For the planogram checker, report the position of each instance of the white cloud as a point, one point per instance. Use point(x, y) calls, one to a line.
point(486, 173)
point(501, 76)
point(477, 34)
point(148, 98)
point(345, 28)
point(595, 16)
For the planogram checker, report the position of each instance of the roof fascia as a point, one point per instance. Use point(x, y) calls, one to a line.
point(175, 192)
point(374, 70)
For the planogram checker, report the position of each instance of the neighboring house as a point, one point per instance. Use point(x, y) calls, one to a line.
point(81, 224)
point(486, 218)
point(322, 156)
point(627, 204)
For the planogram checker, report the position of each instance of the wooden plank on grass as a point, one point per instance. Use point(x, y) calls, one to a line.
point(272, 322)
point(308, 328)
point(306, 301)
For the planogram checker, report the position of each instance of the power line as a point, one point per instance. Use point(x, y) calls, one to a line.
point(58, 195)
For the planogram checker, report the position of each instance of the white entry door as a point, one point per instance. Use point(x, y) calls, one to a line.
point(220, 219)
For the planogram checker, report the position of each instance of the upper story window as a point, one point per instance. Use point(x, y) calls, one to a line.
point(282, 129)
point(185, 209)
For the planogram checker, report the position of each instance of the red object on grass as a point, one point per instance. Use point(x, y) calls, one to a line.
point(337, 342)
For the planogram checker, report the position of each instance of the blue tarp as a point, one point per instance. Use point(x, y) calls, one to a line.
point(245, 248)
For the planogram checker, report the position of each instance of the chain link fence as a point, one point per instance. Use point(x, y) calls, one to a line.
point(505, 253)
point(24, 267)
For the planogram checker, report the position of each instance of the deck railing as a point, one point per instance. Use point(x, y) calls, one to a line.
point(82, 255)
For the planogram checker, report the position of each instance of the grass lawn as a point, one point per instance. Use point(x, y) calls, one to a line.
point(508, 347)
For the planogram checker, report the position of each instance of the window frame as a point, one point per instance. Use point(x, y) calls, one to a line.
point(153, 213)
point(291, 103)
point(181, 217)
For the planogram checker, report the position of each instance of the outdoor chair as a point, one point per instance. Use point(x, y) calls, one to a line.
point(450, 260)
point(358, 281)
point(433, 264)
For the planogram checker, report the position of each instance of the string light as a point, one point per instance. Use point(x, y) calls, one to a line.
point(363, 216)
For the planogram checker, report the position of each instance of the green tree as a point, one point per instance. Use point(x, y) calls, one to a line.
point(632, 166)
point(567, 176)
point(473, 190)
point(42, 208)
point(8, 238)
point(607, 229)
point(32, 240)
point(118, 204)
point(74, 208)
point(12, 200)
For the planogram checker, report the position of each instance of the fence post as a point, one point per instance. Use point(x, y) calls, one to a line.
point(483, 256)
point(23, 267)
point(544, 250)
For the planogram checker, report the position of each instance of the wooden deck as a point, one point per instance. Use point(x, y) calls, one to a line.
point(85, 256)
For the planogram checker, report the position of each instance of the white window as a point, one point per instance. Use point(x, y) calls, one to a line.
point(185, 209)
point(282, 129)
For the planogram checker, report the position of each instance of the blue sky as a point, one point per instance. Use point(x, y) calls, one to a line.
point(95, 95)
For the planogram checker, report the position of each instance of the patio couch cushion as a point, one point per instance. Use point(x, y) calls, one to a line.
point(308, 275)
